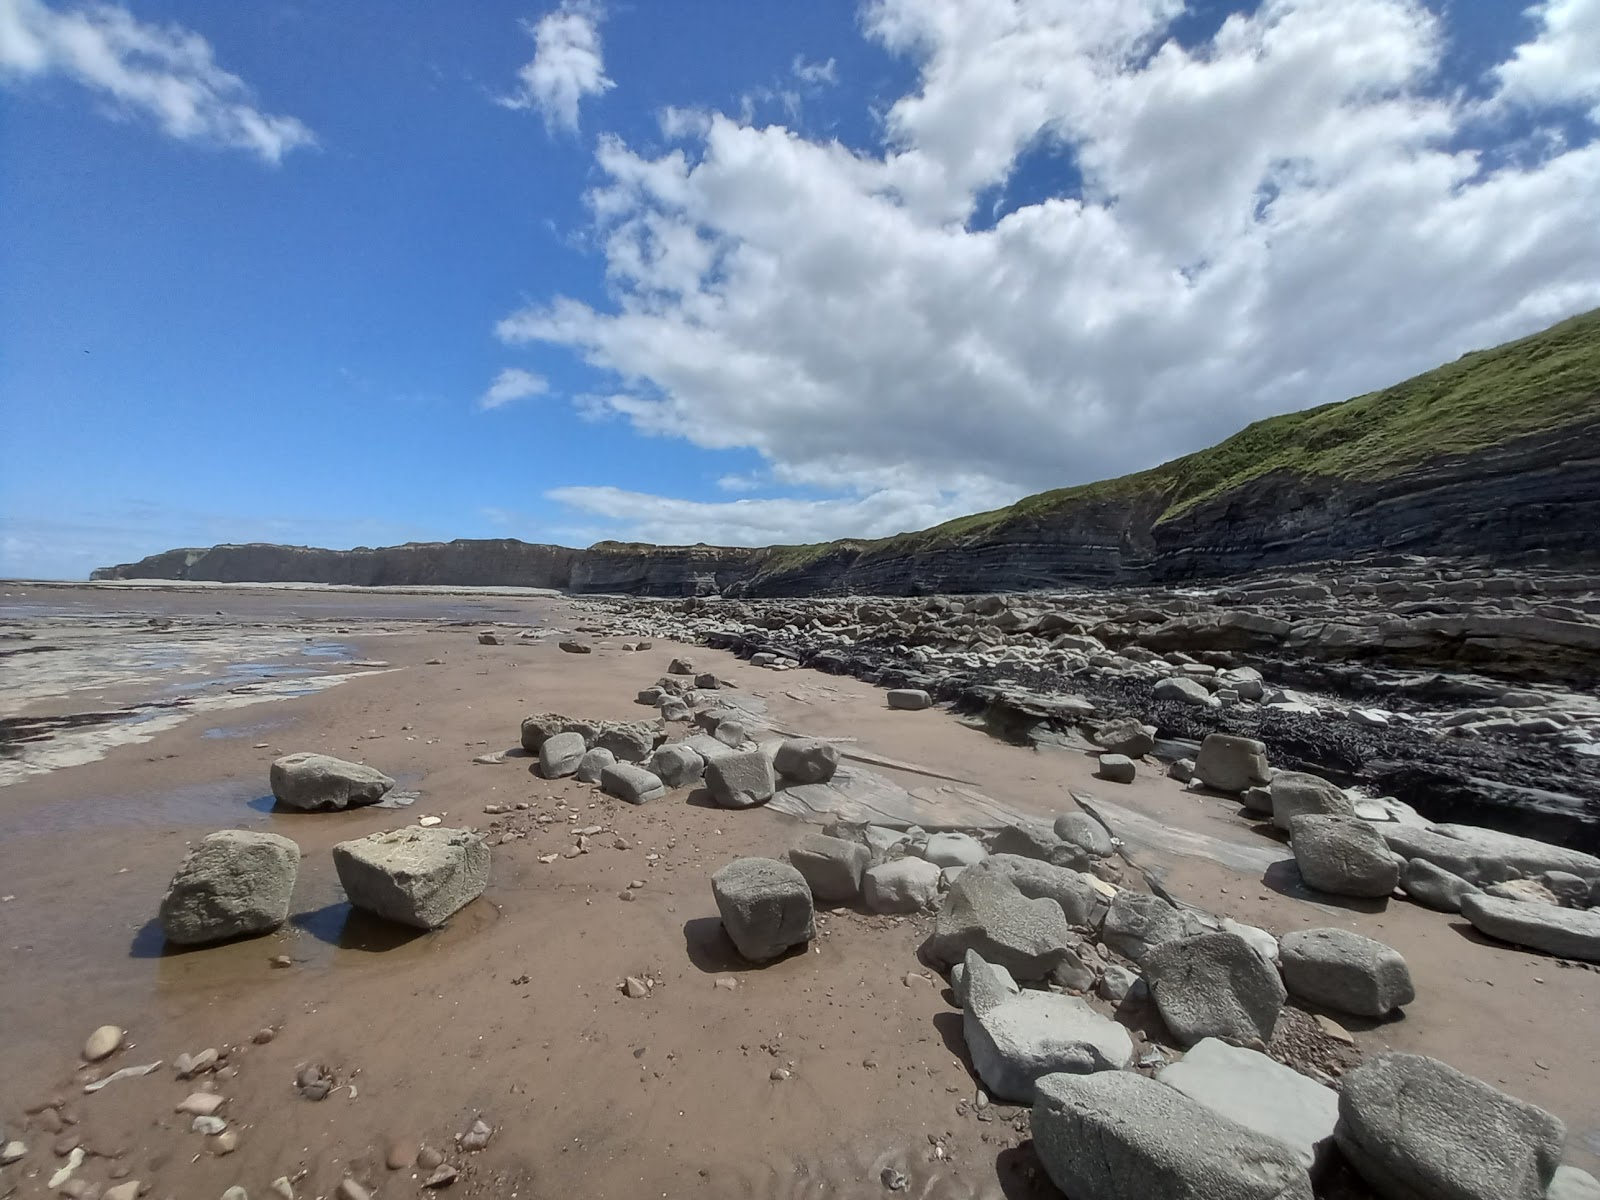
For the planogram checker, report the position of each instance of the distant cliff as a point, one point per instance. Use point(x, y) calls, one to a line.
point(1494, 455)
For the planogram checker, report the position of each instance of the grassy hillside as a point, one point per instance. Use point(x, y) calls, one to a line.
point(1544, 381)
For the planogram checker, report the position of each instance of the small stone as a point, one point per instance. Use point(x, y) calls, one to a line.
point(11, 1152)
point(280, 961)
point(122, 1191)
point(227, 1142)
point(200, 1104)
point(442, 1176)
point(478, 1136)
point(428, 1158)
point(778, 1074)
point(727, 983)
point(262, 1036)
point(280, 1187)
point(238, 1193)
point(634, 988)
point(210, 1126)
point(102, 1043)
point(349, 1189)
point(400, 1154)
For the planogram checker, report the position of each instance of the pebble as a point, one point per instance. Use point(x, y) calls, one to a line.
point(427, 822)
point(122, 1191)
point(189, 1065)
point(349, 1189)
point(11, 1152)
point(210, 1126)
point(443, 1176)
point(778, 1074)
point(727, 983)
point(280, 960)
point(625, 895)
point(238, 1193)
point(262, 1036)
point(227, 1141)
point(200, 1104)
point(478, 1136)
point(102, 1043)
point(634, 988)
point(281, 1187)
point(401, 1154)
point(428, 1158)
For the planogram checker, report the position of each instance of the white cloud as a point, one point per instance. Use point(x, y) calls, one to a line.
point(1281, 216)
point(513, 383)
point(683, 122)
point(1561, 65)
point(815, 73)
point(166, 73)
point(567, 64)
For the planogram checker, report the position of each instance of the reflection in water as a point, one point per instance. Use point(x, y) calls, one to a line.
point(349, 928)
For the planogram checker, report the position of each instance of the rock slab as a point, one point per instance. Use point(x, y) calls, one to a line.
point(320, 781)
point(1564, 932)
point(235, 882)
point(417, 877)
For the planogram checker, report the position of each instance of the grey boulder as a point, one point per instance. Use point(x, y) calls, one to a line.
point(806, 760)
point(1031, 840)
point(1137, 922)
point(1343, 856)
point(958, 981)
point(1083, 831)
point(832, 866)
point(902, 885)
point(1564, 932)
point(417, 877)
point(1433, 886)
point(1116, 768)
point(1184, 691)
point(1126, 737)
point(910, 699)
point(1263, 1095)
point(1345, 971)
point(235, 882)
point(953, 850)
point(1296, 793)
point(984, 911)
point(1082, 903)
point(1485, 856)
point(1116, 1135)
point(765, 905)
point(560, 755)
point(1015, 1038)
point(1214, 985)
point(742, 779)
point(318, 781)
point(1230, 764)
point(592, 764)
point(631, 783)
point(630, 741)
point(676, 765)
point(1570, 1183)
point(1415, 1127)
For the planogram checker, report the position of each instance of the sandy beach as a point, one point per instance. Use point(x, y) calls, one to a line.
point(808, 1076)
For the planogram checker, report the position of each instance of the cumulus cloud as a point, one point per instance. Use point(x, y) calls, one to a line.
point(513, 383)
point(1562, 64)
point(1290, 212)
point(567, 64)
point(163, 72)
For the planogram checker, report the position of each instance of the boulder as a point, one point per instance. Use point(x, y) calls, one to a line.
point(1343, 856)
point(560, 755)
point(984, 911)
point(1116, 768)
point(1298, 793)
point(1214, 985)
point(1434, 887)
point(1184, 691)
point(1030, 840)
point(539, 726)
point(630, 741)
point(680, 666)
point(1344, 971)
point(1016, 1038)
point(708, 682)
point(576, 647)
point(806, 760)
point(1082, 902)
point(1083, 831)
point(1564, 932)
point(631, 783)
point(676, 765)
point(953, 850)
point(904, 885)
point(1485, 856)
point(1257, 799)
point(1231, 764)
point(958, 981)
point(320, 781)
point(742, 779)
point(765, 905)
point(832, 866)
point(1415, 1127)
point(235, 882)
point(1116, 1135)
point(593, 764)
point(730, 731)
point(1572, 1184)
point(1248, 1088)
point(910, 699)
point(1137, 922)
point(417, 877)
point(1126, 737)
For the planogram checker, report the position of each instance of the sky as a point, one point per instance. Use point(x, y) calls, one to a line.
point(366, 273)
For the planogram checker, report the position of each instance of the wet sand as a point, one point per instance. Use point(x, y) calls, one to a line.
point(514, 1010)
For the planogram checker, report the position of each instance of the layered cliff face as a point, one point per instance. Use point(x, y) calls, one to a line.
point(1495, 455)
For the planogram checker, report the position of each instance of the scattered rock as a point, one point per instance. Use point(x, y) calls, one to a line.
point(832, 866)
point(904, 885)
point(742, 779)
point(127, 1190)
point(1564, 932)
point(560, 755)
point(235, 882)
point(910, 699)
point(488, 639)
point(680, 666)
point(765, 905)
point(320, 781)
point(1137, 922)
point(208, 1125)
point(1433, 886)
point(1016, 1038)
point(1184, 691)
point(313, 1081)
point(401, 1154)
point(476, 1137)
point(593, 764)
point(1116, 768)
point(1126, 737)
point(1570, 1183)
point(12, 1151)
point(985, 911)
point(1343, 856)
point(1214, 986)
point(1414, 1126)
point(441, 1176)
point(1344, 971)
point(634, 988)
point(349, 1189)
point(1083, 831)
point(1231, 764)
point(958, 981)
point(417, 877)
point(1149, 1140)
point(806, 760)
point(102, 1043)
point(1298, 793)
point(631, 783)
point(573, 646)
point(953, 850)
point(1261, 1094)
point(200, 1104)
point(676, 765)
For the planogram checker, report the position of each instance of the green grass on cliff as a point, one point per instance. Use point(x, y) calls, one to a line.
point(1542, 382)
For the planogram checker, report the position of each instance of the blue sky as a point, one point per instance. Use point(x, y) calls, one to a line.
point(745, 273)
